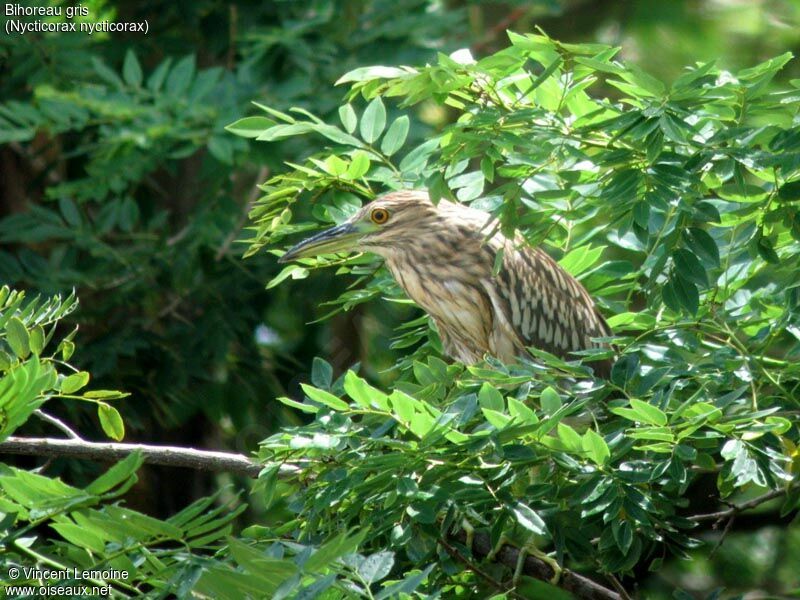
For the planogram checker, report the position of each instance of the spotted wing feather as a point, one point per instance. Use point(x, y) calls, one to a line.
point(547, 307)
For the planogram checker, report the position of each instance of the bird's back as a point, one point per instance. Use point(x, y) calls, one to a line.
point(547, 307)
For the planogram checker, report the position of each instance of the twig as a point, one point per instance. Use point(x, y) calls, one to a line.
point(58, 423)
point(729, 514)
point(737, 508)
point(498, 585)
point(580, 586)
point(174, 456)
point(615, 583)
point(725, 532)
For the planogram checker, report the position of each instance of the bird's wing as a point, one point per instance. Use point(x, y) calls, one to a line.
point(547, 307)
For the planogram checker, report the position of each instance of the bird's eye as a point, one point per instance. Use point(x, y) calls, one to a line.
point(379, 216)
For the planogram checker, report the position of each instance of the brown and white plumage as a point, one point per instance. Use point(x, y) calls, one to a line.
point(443, 257)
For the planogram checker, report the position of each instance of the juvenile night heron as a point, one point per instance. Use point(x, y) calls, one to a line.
point(444, 256)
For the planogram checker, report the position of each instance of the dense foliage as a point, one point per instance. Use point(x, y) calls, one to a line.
point(677, 205)
point(674, 205)
point(118, 179)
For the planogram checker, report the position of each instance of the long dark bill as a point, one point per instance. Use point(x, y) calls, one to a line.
point(341, 238)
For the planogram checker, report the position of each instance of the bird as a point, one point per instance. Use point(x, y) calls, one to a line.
point(444, 255)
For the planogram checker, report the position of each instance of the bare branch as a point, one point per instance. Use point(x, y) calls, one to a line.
point(737, 508)
point(202, 460)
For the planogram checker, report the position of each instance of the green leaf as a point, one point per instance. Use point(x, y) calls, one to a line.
point(647, 413)
point(156, 79)
point(37, 339)
point(321, 373)
point(307, 408)
point(67, 348)
point(293, 271)
point(689, 267)
point(373, 121)
point(364, 394)
point(528, 519)
point(344, 543)
point(271, 571)
point(70, 212)
point(580, 259)
point(250, 127)
point(369, 73)
point(520, 412)
point(623, 534)
point(348, 118)
point(487, 168)
point(495, 418)
point(659, 434)
point(741, 193)
point(632, 320)
point(595, 447)
point(80, 536)
point(335, 134)
point(550, 400)
point(572, 441)
point(334, 166)
point(703, 245)
point(71, 384)
point(766, 250)
point(403, 406)
point(789, 191)
point(685, 292)
point(359, 165)
point(325, 398)
point(375, 567)
point(489, 397)
point(469, 185)
point(418, 157)
point(32, 489)
point(131, 70)
point(406, 587)
point(396, 136)
point(121, 472)
point(180, 77)
point(105, 395)
point(111, 421)
point(105, 73)
point(18, 338)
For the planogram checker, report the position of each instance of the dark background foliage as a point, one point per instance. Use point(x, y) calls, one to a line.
point(118, 180)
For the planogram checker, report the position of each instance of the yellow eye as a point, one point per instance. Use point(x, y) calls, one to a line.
point(379, 216)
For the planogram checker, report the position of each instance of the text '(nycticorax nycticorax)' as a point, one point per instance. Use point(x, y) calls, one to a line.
point(444, 256)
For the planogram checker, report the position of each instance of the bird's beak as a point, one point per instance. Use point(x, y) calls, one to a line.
point(342, 238)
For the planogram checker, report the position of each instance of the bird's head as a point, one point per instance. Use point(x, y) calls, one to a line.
point(381, 226)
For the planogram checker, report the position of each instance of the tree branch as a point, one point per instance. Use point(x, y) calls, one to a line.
point(729, 514)
point(173, 456)
point(580, 586)
point(737, 508)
